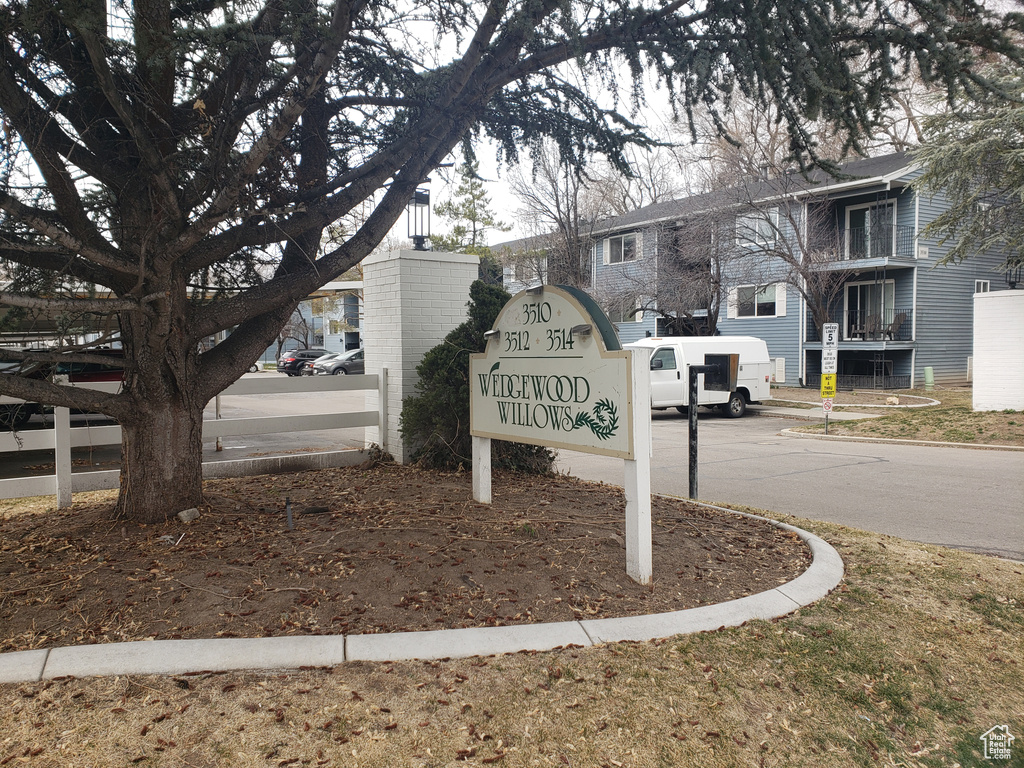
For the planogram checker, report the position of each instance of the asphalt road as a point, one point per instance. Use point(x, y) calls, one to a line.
point(958, 497)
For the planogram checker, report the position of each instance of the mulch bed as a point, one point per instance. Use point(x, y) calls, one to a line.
point(373, 549)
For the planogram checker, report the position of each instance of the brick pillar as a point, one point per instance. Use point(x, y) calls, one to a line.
point(411, 301)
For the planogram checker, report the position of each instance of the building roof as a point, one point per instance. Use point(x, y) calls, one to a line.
point(856, 173)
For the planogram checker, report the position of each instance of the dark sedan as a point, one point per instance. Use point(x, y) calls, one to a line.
point(292, 361)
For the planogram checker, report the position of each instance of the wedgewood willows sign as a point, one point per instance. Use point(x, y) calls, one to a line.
point(554, 374)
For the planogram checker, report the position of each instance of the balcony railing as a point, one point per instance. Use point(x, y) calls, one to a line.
point(879, 242)
point(850, 382)
point(892, 324)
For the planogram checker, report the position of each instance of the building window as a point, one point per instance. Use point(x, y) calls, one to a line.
point(758, 229)
point(757, 301)
point(870, 309)
point(621, 248)
point(870, 230)
point(754, 302)
point(981, 286)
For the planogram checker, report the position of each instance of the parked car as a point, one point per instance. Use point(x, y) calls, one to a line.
point(346, 363)
point(14, 415)
point(292, 361)
point(316, 366)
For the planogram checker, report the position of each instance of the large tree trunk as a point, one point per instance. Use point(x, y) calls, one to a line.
point(162, 431)
point(161, 461)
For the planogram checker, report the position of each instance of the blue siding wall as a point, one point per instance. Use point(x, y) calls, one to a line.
point(630, 332)
point(945, 305)
point(634, 281)
point(940, 298)
point(781, 334)
point(631, 276)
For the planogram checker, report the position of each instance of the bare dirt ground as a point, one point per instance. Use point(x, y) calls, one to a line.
point(377, 549)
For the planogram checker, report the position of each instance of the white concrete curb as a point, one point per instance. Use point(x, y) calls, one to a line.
point(171, 657)
point(901, 441)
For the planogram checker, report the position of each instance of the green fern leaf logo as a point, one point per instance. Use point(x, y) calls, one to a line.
point(603, 421)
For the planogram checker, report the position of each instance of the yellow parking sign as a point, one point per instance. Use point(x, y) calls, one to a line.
point(828, 385)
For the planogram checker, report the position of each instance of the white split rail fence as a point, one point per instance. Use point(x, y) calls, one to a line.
point(63, 437)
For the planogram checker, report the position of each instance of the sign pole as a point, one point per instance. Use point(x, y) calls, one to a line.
point(637, 473)
point(829, 366)
point(481, 469)
point(691, 415)
point(691, 412)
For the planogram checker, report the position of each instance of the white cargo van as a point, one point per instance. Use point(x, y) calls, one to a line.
point(671, 357)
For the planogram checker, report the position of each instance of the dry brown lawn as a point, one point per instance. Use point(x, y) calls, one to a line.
point(952, 421)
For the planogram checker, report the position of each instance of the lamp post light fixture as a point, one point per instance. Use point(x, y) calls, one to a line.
point(419, 219)
point(1013, 275)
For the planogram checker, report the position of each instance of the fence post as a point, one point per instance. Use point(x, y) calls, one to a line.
point(382, 409)
point(62, 455)
point(220, 444)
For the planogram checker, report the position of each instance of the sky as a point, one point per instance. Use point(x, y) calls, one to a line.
point(656, 115)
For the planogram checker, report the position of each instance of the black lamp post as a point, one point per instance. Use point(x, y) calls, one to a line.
point(419, 219)
point(1013, 276)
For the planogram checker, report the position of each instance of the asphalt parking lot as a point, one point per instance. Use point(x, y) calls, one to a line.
point(958, 497)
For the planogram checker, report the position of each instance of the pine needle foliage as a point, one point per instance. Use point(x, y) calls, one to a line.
point(974, 159)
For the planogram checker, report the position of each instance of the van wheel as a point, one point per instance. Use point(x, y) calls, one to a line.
point(683, 410)
point(736, 407)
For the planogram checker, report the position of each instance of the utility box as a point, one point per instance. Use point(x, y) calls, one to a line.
point(724, 379)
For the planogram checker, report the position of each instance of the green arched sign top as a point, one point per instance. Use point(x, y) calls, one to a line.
point(604, 325)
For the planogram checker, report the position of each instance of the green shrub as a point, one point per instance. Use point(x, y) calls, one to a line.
point(435, 420)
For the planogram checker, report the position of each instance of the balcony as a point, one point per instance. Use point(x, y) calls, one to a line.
point(891, 324)
point(878, 242)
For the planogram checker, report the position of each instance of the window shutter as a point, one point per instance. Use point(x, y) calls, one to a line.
point(780, 370)
point(606, 253)
point(780, 299)
point(731, 305)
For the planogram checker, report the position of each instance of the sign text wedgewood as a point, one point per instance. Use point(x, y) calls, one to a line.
point(549, 378)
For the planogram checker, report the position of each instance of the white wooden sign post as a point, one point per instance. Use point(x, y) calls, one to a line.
point(555, 374)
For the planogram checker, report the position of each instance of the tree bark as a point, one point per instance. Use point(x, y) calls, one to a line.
point(162, 429)
point(161, 461)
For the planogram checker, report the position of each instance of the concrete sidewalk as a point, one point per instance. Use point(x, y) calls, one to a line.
point(172, 657)
point(807, 414)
